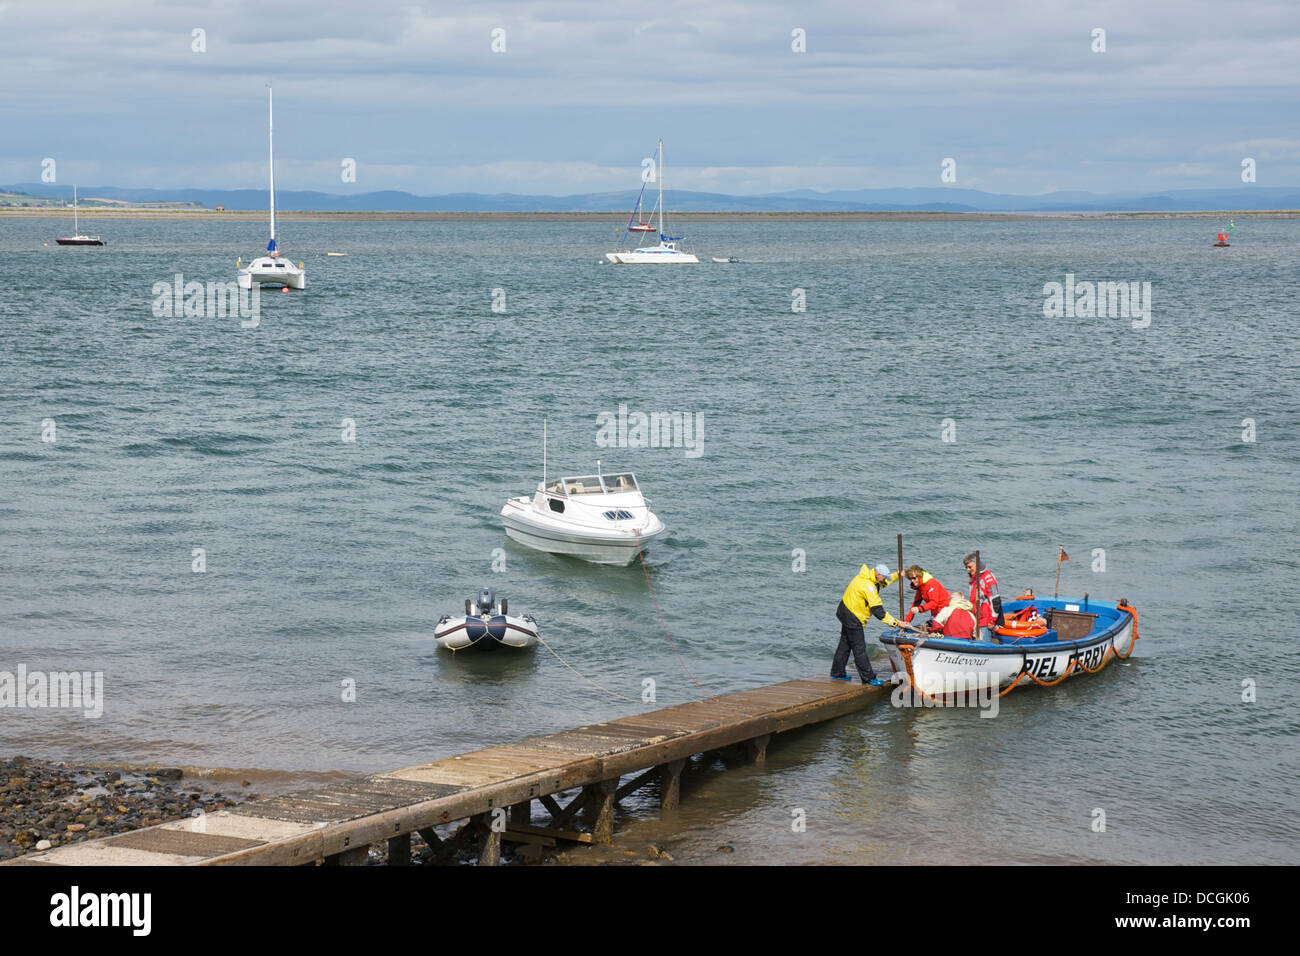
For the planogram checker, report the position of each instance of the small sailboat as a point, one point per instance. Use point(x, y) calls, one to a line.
point(633, 223)
point(271, 269)
point(666, 251)
point(77, 239)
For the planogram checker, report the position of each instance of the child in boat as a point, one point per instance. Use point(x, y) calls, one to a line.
point(931, 596)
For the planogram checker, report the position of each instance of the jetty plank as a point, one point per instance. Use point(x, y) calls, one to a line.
point(337, 822)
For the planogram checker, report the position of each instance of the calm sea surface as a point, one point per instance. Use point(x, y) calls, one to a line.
point(329, 561)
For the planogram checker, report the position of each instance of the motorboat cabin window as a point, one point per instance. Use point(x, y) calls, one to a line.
point(619, 515)
point(585, 485)
point(617, 484)
point(556, 487)
point(556, 505)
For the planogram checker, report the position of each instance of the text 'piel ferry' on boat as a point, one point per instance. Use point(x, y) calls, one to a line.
point(599, 518)
point(271, 269)
point(667, 250)
point(1066, 637)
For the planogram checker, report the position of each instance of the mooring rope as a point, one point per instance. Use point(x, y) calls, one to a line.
point(542, 641)
point(640, 554)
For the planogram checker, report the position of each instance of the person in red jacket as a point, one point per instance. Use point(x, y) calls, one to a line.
point(931, 597)
point(990, 602)
point(954, 621)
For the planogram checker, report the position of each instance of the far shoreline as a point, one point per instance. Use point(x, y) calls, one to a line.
point(229, 215)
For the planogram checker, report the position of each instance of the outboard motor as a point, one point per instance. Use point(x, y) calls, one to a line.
point(486, 601)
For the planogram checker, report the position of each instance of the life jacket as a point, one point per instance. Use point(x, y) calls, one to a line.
point(931, 596)
point(988, 586)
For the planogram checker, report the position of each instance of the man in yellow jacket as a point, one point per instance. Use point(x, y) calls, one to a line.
point(860, 603)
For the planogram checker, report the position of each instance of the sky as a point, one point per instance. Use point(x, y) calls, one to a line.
point(576, 94)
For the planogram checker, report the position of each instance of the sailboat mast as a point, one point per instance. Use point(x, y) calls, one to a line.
point(270, 146)
point(76, 229)
point(661, 190)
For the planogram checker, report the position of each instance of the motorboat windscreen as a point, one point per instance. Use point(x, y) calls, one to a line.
point(583, 485)
point(618, 484)
point(623, 483)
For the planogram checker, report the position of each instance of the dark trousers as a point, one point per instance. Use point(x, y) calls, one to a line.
point(851, 639)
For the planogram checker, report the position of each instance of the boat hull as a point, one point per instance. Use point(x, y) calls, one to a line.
point(617, 548)
point(471, 632)
point(80, 241)
point(944, 667)
point(650, 256)
point(266, 271)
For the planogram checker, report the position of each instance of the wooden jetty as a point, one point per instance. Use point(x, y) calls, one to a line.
point(492, 791)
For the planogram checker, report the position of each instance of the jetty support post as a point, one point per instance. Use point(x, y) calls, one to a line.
point(353, 856)
point(670, 784)
point(756, 749)
point(399, 850)
point(490, 853)
point(600, 797)
point(522, 812)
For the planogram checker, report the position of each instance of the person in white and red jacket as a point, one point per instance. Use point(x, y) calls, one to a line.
point(989, 602)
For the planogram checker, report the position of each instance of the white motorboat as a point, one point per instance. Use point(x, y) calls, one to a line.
point(667, 250)
point(485, 626)
point(270, 269)
point(599, 518)
point(77, 239)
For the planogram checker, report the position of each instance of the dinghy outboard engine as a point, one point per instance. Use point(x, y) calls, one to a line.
point(485, 604)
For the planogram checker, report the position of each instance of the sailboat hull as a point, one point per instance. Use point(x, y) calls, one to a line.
point(80, 241)
point(651, 255)
point(268, 271)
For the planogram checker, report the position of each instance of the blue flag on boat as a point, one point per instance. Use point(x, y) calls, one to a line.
point(270, 246)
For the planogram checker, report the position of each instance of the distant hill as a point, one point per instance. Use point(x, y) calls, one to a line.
point(920, 199)
point(1173, 200)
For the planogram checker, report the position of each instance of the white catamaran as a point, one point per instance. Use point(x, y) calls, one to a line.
point(271, 269)
point(667, 250)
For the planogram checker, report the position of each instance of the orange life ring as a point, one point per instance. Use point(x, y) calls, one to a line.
point(1034, 627)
